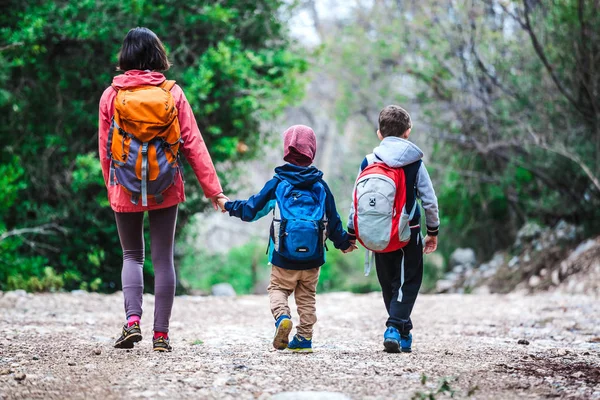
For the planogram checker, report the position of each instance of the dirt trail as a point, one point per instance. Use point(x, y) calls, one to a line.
point(222, 349)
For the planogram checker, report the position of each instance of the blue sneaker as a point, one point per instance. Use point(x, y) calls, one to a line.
point(300, 344)
point(406, 343)
point(283, 327)
point(391, 340)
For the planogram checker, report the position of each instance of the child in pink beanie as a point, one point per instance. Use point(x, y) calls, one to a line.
point(304, 217)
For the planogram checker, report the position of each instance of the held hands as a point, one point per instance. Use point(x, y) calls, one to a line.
point(221, 203)
point(430, 244)
point(218, 201)
point(352, 247)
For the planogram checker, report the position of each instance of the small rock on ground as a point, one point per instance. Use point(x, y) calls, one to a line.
point(19, 376)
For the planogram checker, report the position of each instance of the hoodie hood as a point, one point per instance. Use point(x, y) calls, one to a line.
point(299, 176)
point(136, 77)
point(397, 152)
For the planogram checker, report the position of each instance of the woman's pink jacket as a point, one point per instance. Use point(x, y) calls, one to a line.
point(193, 147)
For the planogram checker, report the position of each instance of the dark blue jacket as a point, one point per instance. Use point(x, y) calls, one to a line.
point(262, 203)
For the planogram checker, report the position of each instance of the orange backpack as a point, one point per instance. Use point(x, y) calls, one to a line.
point(143, 141)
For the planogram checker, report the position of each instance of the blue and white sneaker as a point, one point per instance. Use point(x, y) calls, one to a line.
point(283, 327)
point(300, 344)
point(406, 343)
point(391, 340)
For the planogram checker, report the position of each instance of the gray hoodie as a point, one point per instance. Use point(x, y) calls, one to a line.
point(396, 153)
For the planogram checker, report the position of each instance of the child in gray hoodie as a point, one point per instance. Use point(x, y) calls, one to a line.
point(400, 272)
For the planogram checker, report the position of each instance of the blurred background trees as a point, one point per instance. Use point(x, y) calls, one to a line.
point(504, 94)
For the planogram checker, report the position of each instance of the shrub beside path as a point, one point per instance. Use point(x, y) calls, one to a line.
point(60, 346)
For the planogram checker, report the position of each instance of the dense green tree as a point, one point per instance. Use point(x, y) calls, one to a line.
point(233, 58)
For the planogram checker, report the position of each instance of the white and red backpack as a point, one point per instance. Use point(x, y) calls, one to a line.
point(381, 221)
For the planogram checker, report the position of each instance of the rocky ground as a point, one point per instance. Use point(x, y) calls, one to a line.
point(60, 346)
point(541, 259)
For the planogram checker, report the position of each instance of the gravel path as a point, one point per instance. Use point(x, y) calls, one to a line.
point(48, 346)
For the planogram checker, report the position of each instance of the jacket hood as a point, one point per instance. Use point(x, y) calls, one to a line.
point(397, 152)
point(136, 77)
point(299, 176)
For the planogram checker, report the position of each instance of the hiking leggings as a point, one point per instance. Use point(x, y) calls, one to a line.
point(162, 237)
point(400, 274)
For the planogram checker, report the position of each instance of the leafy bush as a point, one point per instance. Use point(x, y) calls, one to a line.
point(51, 281)
point(247, 265)
point(242, 267)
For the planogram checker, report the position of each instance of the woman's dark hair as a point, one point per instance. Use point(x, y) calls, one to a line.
point(142, 49)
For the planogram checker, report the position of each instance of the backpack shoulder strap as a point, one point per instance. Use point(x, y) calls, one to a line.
point(167, 85)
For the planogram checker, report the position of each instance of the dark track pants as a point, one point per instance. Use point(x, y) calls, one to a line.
point(400, 275)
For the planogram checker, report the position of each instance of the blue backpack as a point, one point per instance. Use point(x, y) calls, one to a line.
point(299, 228)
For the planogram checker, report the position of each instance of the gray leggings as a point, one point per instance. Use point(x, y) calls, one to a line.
point(162, 237)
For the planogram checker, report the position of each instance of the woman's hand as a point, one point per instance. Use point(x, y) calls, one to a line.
point(218, 201)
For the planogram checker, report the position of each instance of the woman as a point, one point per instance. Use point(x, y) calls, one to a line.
point(143, 59)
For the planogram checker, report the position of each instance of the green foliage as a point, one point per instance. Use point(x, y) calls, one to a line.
point(233, 59)
point(242, 267)
point(517, 143)
point(508, 95)
point(49, 282)
point(443, 388)
point(344, 272)
point(245, 266)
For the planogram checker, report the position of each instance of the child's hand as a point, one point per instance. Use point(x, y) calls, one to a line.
point(219, 201)
point(350, 249)
point(430, 244)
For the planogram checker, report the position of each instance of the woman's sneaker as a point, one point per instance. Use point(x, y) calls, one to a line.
point(129, 336)
point(300, 344)
point(283, 327)
point(161, 344)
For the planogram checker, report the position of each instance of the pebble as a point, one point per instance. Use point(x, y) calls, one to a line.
point(97, 351)
point(534, 281)
point(523, 342)
point(231, 381)
point(35, 358)
point(562, 352)
point(19, 376)
point(72, 364)
point(5, 371)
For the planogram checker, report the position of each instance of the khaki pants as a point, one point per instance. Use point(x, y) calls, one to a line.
point(304, 286)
